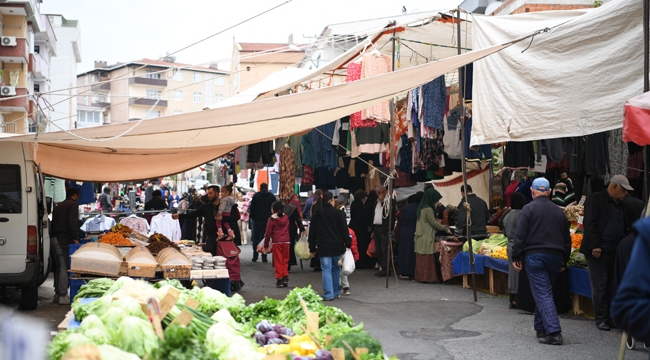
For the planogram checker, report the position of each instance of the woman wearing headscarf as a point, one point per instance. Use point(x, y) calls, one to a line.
point(517, 202)
point(425, 232)
point(409, 220)
point(318, 198)
point(328, 238)
point(295, 223)
point(359, 224)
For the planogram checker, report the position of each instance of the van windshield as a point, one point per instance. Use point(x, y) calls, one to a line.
point(11, 201)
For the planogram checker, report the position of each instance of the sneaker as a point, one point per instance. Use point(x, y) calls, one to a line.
point(285, 282)
point(541, 334)
point(64, 300)
point(346, 291)
point(278, 283)
point(327, 299)
point(337, 296)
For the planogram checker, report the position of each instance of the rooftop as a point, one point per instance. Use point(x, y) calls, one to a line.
point(257, 47)
point(156, 63)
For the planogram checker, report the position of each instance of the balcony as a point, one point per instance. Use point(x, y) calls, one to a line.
point(102, 87)
point(16, 104)
point(15, 54)
point(101, 104)
point(41, 67)
point(148, 102)
point(147, 81)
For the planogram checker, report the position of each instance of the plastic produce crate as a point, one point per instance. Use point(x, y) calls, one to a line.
point(75, 285)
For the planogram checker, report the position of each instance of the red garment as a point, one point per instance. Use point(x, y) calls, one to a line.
point(308, 178)
point(511, 189)
point(635, 120)
point(296, 202)
point(277, 230)
point(281, 259)
point(354, 248)
point(354, 73)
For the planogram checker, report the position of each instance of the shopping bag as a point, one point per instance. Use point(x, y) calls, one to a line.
point(302, 249)
point(372, 250)
point(227, 249)
point(348, 263)
point(262, 249)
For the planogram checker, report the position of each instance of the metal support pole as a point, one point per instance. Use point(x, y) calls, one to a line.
point(646, 88)
point(461, 89)
point(391, 181)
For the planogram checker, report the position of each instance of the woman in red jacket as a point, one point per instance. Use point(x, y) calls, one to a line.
point(277, 229)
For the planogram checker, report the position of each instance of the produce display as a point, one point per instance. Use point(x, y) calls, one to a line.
point(573, 212)
point(500, 252)
point(122, 229)
point(115, 239)
point(576, 241)
point(577, 259)
point(157, 242)
point(115, 326)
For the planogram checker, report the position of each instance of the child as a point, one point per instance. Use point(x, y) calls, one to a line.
point(277, 230)
point(345, 284)
point(225, 206)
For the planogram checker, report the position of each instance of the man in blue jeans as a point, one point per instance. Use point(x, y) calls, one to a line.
point(543, 241)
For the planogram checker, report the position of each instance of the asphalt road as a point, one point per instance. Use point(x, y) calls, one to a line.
point(413, 321)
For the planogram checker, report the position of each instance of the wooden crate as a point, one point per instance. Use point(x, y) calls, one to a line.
point(498, 282)
point(582, 305)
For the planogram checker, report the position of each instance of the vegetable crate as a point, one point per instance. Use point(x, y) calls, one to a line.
point(75, 285)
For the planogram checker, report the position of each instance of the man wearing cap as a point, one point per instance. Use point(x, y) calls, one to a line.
point(543, 242)
point(606, 224)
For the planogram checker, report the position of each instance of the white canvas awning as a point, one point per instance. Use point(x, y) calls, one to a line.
point(572, 81)
point(172, 144)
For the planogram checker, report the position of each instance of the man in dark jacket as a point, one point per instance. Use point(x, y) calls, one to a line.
point(260, 212)
point(156, 203)
point(543, 241)
point(631, 304)
point(480, 215)
point(606, 224)
point(380, 228)
point(208, 211)
point(63, 232)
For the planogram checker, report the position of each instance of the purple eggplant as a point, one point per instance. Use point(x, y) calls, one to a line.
point(264, 327)
point(260, 338)
point(271, 335)
point(323, 355)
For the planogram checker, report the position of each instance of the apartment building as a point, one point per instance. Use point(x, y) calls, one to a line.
point(146, 89)
point(253, 62)
point(507, 7)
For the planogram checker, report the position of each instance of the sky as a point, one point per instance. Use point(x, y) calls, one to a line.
point(126, 30)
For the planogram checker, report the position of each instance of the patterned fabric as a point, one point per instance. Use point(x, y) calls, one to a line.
point(354, 73)
point(563, 193)
point(405, 155)
point(617, 153)
point(308, 179)
point(434, 102)
point(287, 173)
point(137, 224)
point(373, 65)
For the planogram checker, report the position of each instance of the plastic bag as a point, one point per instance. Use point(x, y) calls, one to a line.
point(372, 250)
point(348, 263)
point(262, 249)
point(302, 249)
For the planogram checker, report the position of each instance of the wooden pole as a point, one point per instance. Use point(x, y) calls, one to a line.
point(391, 155)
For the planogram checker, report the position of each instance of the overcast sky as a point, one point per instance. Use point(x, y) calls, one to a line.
point(125, 30)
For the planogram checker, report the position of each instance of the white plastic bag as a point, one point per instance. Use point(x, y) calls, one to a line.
point(348, 263)
point(302, 249)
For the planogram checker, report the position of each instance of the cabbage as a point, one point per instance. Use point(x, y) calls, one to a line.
point(223, 316)
point(212, 301)
point(109, 352)
point(64, 342)
point(136, 336)
point(130, 306)
point(119, 283)
point(112, 318)
point(93, 328)
point(94, 307)
point(226, 343)
point(136, 289)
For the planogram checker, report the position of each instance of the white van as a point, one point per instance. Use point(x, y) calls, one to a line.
point(24, 233)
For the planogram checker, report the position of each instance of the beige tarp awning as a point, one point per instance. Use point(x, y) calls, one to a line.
point(172, 144)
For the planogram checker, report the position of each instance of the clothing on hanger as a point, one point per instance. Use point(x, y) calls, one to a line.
point(98, 223)
point(376, 64)
point(136, 224)
point(563, 193)
point(163, 223)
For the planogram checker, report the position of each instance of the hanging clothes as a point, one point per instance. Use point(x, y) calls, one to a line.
point(54, 189)
point(308, 152)
point(372, 178)
point(86, 192)
point(405, 155)
point(483, 151)
point(373, 140)
point(510, 189)
point(552, 148)
point(354, 74)
point(344, 133)
point(519, 155)
point(373, 64)
point(136, 224)
point(287, 173)
point(322, 145)
point(324, 179)
point(597, 154)
point(563, 194)
point(262, 150)
point(434, 102)
point(99, 223)
point(308, 178)
point(618, 152)
point(163, 223)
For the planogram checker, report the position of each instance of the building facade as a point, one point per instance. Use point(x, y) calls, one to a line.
point(495, 7)
point(253, 62)
point(146, 89)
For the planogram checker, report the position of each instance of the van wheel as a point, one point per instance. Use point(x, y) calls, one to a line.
point(29, 298)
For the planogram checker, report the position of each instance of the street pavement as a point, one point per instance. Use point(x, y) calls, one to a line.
point(413, 321)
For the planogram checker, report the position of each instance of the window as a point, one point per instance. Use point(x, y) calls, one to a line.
point(37, 49)
point(86, 100)
point(95, 77)
point(177, 112)
point(248, 68)
point(154, 94)
point(86, 80)
point(151, 74)
point(37, 88)
point(178, 76)
point(32, 126)
point(218, 98)
point(218, 80)
point(197, 77)
point(197, 97)
point(153, 114)
point(10, 190)
point(89, 117)
point(178, 95)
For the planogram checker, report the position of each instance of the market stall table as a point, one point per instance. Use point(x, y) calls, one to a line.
point(580, 287)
